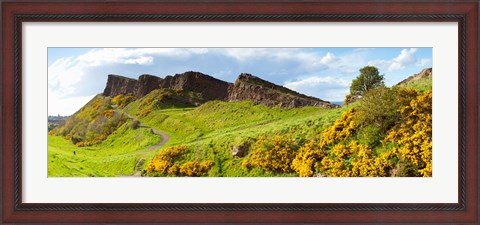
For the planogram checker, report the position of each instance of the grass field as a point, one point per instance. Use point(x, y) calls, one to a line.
point(212, 129)
point(116, 155)
point(420, 85)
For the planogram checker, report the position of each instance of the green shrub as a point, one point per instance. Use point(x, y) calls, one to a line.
point(370, 135)
point(378, 108)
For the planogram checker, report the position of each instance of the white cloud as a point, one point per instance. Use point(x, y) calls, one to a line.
point(65, 106)
point(423, 62)
point(403, 60)
point(65, 73)
point(406, 57)
point(328, 58)
point(308, 59)
point(326, 88)
point(244, 54)
point(315, 81)
point(140, 61)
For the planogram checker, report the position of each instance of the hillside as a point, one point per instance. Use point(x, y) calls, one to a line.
point(421, 81)
point(274, 131)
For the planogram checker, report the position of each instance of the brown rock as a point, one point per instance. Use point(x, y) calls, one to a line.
point(246, 87)
point(119, 85)
point(145, 84)
point(249, 87)
point(209, 87)
point(424, 73)
point(239, 151)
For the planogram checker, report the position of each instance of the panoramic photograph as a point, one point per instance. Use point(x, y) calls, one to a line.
point(240, 112)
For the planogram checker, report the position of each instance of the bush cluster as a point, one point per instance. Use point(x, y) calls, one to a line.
point(387, 134)
point(123, 100)
point(166, 162)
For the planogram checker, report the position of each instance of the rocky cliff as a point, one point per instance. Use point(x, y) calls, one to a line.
point(423, 74)
point(119, 85)
point(249, 87)
point(246, 87)
point(208, 87)
point(145, 84)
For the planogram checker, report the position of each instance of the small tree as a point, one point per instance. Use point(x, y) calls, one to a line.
point(369, 78)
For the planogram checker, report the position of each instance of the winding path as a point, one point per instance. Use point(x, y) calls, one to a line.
point(139, 164)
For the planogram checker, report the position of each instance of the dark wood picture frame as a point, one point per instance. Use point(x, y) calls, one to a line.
point(466, 211)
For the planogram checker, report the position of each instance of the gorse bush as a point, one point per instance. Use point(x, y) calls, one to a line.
point(123, 100)
point(195, 169)
point(273, 154)
point(167, 162)
point(306, 158)
point(162, 162)
point(92, 124)
point(414, 135)
point(343, 128)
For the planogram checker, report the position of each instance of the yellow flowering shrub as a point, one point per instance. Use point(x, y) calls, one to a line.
point(123, 100)
point(342, 128)
point(274, 155)
point(165, 159)
point(165, 163)
point(108, 113)
point(355, 160)
point(195, 169)
point(306, 157)
point(414, 136)
point(335, 164)
point(315, 152)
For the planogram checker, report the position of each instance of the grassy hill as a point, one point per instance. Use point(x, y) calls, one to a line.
point(116, 155)
point(211, 130)
point(205, 139)
point(420, 85)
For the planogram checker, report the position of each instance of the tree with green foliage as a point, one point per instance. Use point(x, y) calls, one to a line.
point(369, 78)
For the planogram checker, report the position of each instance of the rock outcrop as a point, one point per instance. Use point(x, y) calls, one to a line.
point(145, 84)
point(246, 87)
point(208, 87)
point(249, 87)
point(119, 85)
point(239, 151)
point(423, 74)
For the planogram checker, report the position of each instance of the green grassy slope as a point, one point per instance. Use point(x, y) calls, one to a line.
point(212, 129)
point(420, 85)
point(116, 155)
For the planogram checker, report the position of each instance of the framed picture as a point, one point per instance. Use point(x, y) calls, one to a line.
point(274, 112)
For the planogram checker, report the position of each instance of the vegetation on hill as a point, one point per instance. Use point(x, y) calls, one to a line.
point(92, 123)
point(421, 85)
point(385, 132)
point(116, 155)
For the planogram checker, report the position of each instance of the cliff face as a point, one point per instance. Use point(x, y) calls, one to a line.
point(249, 87)
point(119, 85)
point(423, 74)
point(208, 87)
point(145, 84)
point(246, 87)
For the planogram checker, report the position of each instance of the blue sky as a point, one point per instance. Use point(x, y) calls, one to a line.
point(75, 75)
